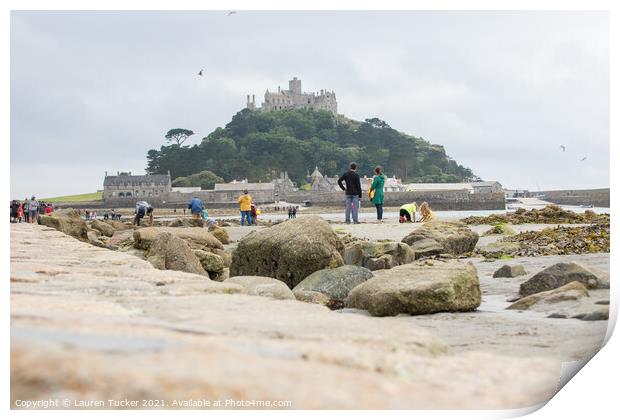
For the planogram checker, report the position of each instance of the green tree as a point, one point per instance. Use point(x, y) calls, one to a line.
point(178, 135)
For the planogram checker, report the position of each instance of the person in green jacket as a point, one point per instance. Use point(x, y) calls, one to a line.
point(376, 192)
point(407, 212)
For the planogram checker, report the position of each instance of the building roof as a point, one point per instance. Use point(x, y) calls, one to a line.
point(120, 180)
point(485, 183)
point(240, 186)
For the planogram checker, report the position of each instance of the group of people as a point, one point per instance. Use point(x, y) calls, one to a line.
point(29, 210)
point(350, 183)
point(292, 212)
point(248, 209)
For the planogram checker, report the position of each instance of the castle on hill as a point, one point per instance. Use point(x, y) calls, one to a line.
point(295, 98)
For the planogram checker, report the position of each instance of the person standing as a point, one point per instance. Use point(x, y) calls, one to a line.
point(20, 213)
point(407, 213)
point(376, 192)
point(14, 208)
point(294, 212)
point(26, 212)
point(195, 206)
point(353, 192)
point(33, 209)
point(245, 207)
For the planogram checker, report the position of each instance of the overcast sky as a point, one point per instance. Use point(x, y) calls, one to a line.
point(93, 91)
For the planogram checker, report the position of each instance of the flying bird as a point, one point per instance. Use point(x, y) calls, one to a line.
point(200, 72)
point(563, 147)
point(231, 13)
point(583, 158)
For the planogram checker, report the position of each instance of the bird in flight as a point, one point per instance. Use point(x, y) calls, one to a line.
point(563, 147)
point(200, 72)
point(583, 158)
point(231, 13)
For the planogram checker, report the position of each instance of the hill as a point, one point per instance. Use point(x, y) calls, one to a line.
point(259, 145)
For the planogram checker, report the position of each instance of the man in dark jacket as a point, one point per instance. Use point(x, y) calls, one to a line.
point(353, 192)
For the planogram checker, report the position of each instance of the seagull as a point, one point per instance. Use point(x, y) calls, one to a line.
point(231, 13)
point(563, 147)
point(583, 158)
point(200, 72)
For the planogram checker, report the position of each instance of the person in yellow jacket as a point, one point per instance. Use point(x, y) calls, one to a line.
point(245, 206)
point(407, 213)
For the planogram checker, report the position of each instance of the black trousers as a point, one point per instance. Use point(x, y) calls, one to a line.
point(405, 213)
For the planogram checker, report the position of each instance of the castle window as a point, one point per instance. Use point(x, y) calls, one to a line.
point(128, 194)
point(121, 194)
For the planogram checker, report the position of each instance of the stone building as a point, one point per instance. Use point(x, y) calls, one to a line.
point(124, 186)
point(322, 183)
point(295, 98)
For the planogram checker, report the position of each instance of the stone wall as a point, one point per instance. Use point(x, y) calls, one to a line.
point(596, 197)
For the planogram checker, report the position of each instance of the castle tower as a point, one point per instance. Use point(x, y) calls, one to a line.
point(295, 86)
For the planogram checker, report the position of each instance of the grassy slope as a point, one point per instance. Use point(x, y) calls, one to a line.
point(75, 198)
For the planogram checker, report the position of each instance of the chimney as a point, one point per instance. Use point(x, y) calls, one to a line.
point(253, 99)
point(248, 98)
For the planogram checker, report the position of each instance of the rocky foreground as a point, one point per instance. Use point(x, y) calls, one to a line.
point(88, 322)
point(181, 312)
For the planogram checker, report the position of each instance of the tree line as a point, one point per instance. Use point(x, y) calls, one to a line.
point(259, 145)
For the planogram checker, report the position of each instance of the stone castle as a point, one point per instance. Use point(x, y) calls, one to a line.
point(295, 98)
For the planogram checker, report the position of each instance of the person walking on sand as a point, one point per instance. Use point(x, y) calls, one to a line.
point(376, 192)
point(245, 207)
point(195, 206)
point(407, 213)
point(426, 212)
point(33, 209)
point(353, 192)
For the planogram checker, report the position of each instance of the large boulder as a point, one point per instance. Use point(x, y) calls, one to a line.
point(289, 251)
point(103, 228)
point(558, 275)
point(377, 255)
point(509, 271)
point(220, 233)
point(121, 240)
point(212, 263)
point(196, 238)
point(569, 292)
point(68, 222)
point(178, 222)
point(169, 252)
point(439, 237)
point(419, 289)
point(94, 238)
point(335, 283)
point(263, 286)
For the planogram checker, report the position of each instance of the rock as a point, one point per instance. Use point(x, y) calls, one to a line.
point(169, 252)
point(377, 255)
point(438, 237)
point(310, 296)
point(69, 223)
point(556, 276)
point(178, 222)
point(510, 271)
point(93, 238)
point(121, 239)
point(415, 289)
point(104, 228)
point(596, 315)
point(500, 249)
point(212, 263)
point(117, 225)
point(196, 238)
point(335, 283)
point(263, 286)
point(220, 233)
point(225, 254)
point(500, 229)
point(571, 291)
point(289, 251)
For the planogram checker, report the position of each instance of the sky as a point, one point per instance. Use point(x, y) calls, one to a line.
point(93, 91)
